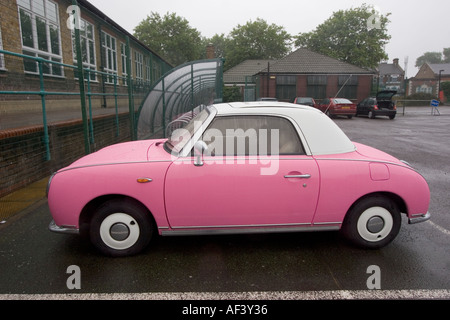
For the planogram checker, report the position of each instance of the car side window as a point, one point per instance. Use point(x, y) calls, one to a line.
point(252, 135)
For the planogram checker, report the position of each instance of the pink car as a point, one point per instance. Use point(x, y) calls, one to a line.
point(238, 168)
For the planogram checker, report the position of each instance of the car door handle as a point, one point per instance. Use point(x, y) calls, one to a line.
point(298, 176)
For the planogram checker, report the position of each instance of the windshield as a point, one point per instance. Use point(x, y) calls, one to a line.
point(341, 100)
point(180, 137)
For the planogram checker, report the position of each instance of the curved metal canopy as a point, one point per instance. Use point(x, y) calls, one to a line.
point(178, 96)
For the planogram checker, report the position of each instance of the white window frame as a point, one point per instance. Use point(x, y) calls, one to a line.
point(28, 8)
point(90, 55)
point(110, 56)
point(139, 63)
point(148, 69)
point(124, 57)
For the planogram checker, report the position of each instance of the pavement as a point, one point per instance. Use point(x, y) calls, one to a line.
point(18, 201)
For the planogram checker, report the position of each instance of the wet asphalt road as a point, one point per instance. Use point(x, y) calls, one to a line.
point(34, 260)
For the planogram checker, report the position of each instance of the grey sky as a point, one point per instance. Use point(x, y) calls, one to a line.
point(416, 26)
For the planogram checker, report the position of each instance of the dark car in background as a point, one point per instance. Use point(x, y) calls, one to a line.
point(337, 107)
point(306, 101)
point(381, 105)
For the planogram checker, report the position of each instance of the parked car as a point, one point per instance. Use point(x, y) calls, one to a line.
point(306, 101)
point(238, 168)
point(381, 105)
point(338, 107)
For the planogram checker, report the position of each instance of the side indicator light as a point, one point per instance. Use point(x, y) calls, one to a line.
point(144, 180)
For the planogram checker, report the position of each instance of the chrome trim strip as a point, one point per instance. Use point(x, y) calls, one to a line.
point(419, 218)
point(188, 232)
point(367, 160)
point(245, 226)
point(63, 229)
point(111, 164)
point(325, 223)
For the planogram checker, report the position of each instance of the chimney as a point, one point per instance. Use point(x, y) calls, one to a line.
point(210, 51)
point(396, 62)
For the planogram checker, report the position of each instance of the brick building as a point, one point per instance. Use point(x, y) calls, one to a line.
point(304, 73)
point(391, 76)
point(40, 28)
point(427, 79)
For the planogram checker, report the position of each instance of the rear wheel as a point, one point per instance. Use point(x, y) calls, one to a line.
point(120, 228)
point(372, 223)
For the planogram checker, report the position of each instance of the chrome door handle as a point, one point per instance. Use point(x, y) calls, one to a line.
point(299, 176)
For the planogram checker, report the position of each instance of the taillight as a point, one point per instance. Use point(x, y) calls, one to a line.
point(375, 107)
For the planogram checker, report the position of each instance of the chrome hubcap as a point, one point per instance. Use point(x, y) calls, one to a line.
point(375, 224)
point(119, 231)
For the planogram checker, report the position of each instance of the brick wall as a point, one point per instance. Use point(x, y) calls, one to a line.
point(23, 155)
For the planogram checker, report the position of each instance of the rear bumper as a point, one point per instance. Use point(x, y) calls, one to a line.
point(385, 112)
point(343, 112)
point(419, 218)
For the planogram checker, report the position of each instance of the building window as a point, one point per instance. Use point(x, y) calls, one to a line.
point(286, 87)
point(109, 46)
point(148, 70)
point(39, 24)
point(316, 86)
point(348, 86)
point(424, 89)
point(139, 62)
point(124, 57)
point(87, 41)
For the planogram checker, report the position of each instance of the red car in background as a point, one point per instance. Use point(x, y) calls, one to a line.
point(338, 107)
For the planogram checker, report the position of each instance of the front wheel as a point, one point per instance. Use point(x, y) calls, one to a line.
point(372, 223)
point(120, 228)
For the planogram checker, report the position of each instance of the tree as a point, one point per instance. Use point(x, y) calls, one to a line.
point(171, 37)
point(357, 36)
point(256, 40)
point(434, 57)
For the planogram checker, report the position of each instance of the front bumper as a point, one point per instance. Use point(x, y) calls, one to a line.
point(419, 218)
point(63, 229)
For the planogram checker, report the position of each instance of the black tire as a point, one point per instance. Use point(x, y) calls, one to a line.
point(392, 117)
point(120, 228)
point(372, 223)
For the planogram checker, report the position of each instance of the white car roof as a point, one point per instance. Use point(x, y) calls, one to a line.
point(322, 135)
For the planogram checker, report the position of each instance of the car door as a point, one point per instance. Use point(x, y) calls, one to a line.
point(254, 174)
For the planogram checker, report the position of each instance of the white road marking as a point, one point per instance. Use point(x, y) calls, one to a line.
point(268, 295)
point(441, 229)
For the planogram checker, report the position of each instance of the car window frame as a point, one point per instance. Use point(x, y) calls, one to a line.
point(188, 151)
point(293, 130)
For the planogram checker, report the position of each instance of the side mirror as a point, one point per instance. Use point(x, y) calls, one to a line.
point(200, 148)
